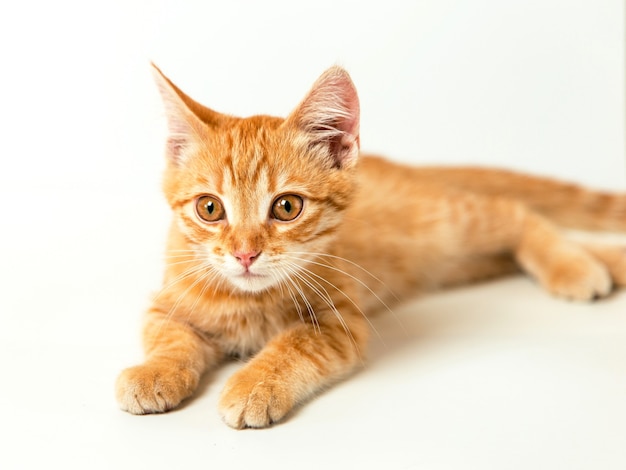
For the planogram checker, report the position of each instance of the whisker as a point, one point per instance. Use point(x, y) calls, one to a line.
point(196, 270)
point(187, 273)
point(325, 296)
point(206, 278)
point(307, 303)
point(174, 253)
point(315, 322)
point(328, 266)
point(291, 293)
point(346, 260)
point(350, 299)
point(368, 288)
point(176, 263)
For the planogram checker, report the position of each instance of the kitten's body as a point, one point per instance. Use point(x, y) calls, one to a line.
point(284, 242)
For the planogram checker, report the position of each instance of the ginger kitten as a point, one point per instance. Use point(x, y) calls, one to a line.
point(285, 239)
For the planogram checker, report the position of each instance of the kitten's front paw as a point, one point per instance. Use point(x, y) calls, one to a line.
point(154, 388)
point(251, 400)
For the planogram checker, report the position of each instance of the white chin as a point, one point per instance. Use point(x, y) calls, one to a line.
point(252, 283)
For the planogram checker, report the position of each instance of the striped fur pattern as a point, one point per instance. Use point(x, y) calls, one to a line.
point(285, 240)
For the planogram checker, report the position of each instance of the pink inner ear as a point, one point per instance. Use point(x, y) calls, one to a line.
point(182, 133)
point(175, 147)
point(330, 114)
point(183, 124)
point(350, 124)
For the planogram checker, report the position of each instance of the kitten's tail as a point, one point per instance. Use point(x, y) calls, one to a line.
point(567, 204)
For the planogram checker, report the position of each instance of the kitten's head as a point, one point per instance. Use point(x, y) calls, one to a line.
point(257, 198)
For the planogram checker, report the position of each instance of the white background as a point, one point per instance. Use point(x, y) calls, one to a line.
point(495, 376)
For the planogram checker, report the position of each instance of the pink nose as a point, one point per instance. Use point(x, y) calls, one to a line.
point(246, 258)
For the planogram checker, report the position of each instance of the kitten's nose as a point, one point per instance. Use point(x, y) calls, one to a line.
point(246, 258)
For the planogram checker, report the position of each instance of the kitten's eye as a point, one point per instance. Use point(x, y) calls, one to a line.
point(287, 207)
point(210, 209)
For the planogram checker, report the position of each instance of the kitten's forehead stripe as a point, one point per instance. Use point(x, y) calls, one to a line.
point(248, 153)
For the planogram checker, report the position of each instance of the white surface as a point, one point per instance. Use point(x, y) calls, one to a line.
point(487, 377)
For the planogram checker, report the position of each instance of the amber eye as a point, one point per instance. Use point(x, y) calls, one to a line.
point(287, 207)
point(210, 209)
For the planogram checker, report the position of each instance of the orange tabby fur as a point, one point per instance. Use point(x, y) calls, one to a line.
point(294, 296)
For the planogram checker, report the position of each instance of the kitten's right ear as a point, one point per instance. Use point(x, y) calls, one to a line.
point(187, 120)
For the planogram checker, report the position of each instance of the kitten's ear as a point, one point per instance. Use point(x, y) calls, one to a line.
point(187, 120)
point(330, 115)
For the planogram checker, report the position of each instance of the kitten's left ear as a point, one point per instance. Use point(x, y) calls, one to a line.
point(329, 114)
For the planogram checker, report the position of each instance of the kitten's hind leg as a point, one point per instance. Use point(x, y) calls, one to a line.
point(613, 257)
point(563, 267)
point(488, 225)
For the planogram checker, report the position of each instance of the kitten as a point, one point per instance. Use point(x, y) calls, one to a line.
point(285, 239)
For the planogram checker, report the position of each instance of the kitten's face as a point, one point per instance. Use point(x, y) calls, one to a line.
point(257, 198)
point(255, 202)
